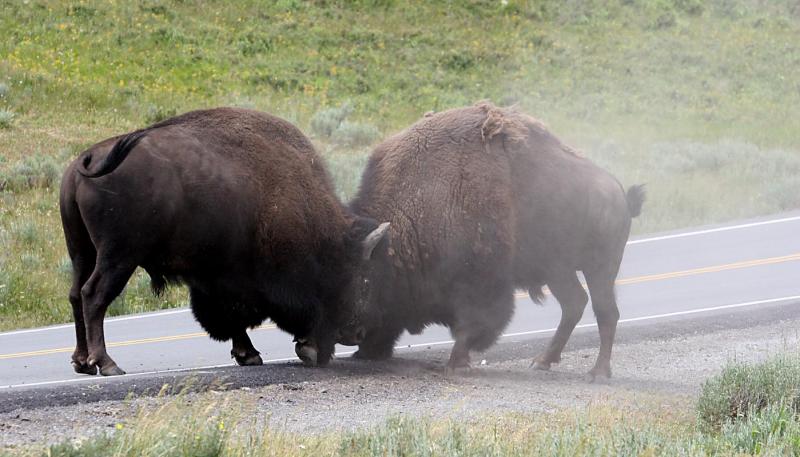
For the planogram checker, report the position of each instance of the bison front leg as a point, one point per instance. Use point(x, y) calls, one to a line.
point(572, 297)
point(459, 356)
point(378, 344)
point(243, 350)
point(480, 321)
point(106, 282)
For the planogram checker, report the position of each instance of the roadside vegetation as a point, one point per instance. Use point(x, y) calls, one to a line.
point(698, 99)
point(746, 410)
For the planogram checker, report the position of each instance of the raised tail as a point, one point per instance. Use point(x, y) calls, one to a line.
point(635, 198)
point(536, 292)
point(118, 153)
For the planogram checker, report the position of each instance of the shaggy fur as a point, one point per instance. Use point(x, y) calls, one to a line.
point(483, 200)
point(234, 203)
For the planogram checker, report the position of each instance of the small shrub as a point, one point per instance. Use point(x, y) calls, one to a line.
point(332, 124)
point(6, 119)
point(665, 20)
point(29, 261)
point(783, 193)
point(27, 233)
point(325, 122)
point(254, 43)
point(354, 135)
point(38, 171)
point(157, 113)
point(742, 390)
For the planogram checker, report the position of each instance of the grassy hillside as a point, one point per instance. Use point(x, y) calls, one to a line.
point(700, 100)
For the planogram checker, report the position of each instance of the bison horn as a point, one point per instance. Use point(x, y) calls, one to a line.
point(373, 238)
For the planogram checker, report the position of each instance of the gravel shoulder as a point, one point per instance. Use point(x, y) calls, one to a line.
point(663, 365)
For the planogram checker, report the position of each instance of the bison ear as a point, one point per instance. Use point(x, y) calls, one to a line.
point(373, 239)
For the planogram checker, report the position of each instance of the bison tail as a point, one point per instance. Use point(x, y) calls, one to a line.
point(635, 198)
point(118, 153)
point(158, 283)
point(536, 292)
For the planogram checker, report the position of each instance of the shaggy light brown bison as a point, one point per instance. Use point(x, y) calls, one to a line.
point(483, 200)
point(234, 203)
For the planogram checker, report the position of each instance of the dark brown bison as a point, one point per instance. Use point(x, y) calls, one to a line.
point(481, 201)
point(234, 203)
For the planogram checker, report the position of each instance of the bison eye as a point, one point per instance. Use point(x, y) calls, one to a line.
point(366, 281)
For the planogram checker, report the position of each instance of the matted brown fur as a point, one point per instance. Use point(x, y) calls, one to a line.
point(484, 200)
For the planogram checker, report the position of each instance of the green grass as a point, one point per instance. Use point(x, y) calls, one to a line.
point(700, 100)
point(227, 425)
point(743, 390)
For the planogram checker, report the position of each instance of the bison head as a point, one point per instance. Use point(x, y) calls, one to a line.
point(345, 298)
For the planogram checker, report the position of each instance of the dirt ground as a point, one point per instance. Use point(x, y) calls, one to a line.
point(665, 371)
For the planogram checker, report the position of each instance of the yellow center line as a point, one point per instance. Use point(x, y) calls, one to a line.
point(697, 271)
point(633, 280)
point(157, 339)
point(714, 269)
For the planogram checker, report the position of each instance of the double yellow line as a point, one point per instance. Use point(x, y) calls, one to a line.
point(157, 339)
point(697, 271)
point(634, 280)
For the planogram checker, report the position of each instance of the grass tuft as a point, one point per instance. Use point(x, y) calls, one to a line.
point(743, 391)
point(158, 113)
point(6, 119)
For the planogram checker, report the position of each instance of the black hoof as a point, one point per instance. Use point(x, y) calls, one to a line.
point(84, 368)
point(457, 370)
point(306, 353)
point(249, 360)
point(362, 354)
point(541, 366)
point(111, 370)
point(599, 376)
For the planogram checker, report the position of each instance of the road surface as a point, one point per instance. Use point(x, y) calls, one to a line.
point(685, 274)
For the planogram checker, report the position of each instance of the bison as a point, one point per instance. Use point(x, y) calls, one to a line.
point(482, 201)
point(234, 203)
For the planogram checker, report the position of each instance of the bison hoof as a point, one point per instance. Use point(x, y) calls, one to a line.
point(457, 370)
point(599, 375)
point(84, 368)
point(251, 360)
point(362, 354)
point(543, 366)
point(111, 370)
point(306, 353)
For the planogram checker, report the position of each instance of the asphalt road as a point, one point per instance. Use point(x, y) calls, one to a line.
point(689, 274)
